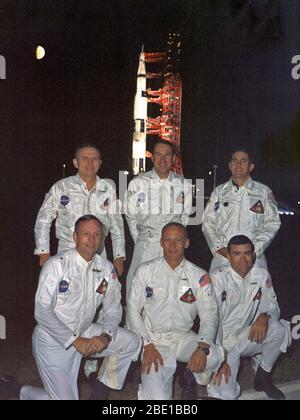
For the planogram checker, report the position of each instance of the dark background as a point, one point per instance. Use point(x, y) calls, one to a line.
point(237, 87)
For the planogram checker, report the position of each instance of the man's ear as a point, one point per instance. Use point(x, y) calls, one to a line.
point(161, 242)
point(75, 236)
point(187, 244)
point(228, 256)
point(75, 163)
point(252, 167)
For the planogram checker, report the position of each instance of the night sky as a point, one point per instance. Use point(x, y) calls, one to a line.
point(237, 86)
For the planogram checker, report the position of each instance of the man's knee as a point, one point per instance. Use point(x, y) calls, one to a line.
point(132, 342)
point(277, 331)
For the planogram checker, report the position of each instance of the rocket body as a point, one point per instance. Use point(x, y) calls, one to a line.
point(140, 120)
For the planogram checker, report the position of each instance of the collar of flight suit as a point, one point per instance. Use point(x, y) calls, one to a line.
point(237, 278)
point(248, 186)
point(85, 265)
point(177, 269)
point(154, 175)
point(99, 184)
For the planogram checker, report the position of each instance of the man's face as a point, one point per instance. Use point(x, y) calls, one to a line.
point(88, 239)
point(174, 244)
point(240, 165)
point(162, 159)
point(88, 162)
point(241, 258)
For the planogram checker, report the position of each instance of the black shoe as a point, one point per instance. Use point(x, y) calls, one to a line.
point(99, 390)
point(9, 388)
point(263, 382)
point(188, 386)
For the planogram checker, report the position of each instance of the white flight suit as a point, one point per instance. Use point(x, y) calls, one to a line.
point(70, 291)
point(241, 301)
point(250, 210)
point(162, 306)
point(150, 204)
point(70, 199)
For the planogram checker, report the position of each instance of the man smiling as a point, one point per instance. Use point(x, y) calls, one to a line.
point(240, 207)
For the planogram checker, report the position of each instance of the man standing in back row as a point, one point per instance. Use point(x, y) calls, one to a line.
point(71, 198)
point(153, 200)
point(241, 206)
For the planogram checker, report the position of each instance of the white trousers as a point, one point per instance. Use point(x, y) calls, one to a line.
point(270, 350)
point(219, 262)
point(158, 385)
point(59, 368)
point(144, 251)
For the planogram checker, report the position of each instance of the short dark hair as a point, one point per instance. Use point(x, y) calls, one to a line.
point(87, 145)
point(165, 142)
point(240, 240)
point(174, 224)
point(87, 218)
point(244, 150)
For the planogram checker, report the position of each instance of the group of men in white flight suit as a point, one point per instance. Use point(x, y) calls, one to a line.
point(153, 200)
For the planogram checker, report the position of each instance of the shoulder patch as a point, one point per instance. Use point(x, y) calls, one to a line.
point(114, 274)
point(205, 280)
point(63, 286)
point(149, 292)
point(64, 200)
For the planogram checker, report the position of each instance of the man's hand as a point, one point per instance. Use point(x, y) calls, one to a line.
point(259, 329)
point(151, 356)
point(89, 346)
point(119, 266)
point(43, 259)
point(81, 344)
point(223, 371)
point(223, 252)
point(198, 360)
point(97, 344)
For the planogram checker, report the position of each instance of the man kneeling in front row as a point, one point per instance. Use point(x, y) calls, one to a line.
point(249, 321)
point(165, 298)
point(72, 286)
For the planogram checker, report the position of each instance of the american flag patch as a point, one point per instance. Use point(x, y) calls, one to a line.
point(205, 280)
point(114, 274)
point(269, 283)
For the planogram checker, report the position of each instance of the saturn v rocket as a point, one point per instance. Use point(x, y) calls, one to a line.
point(168, 98)
point(140, 120)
